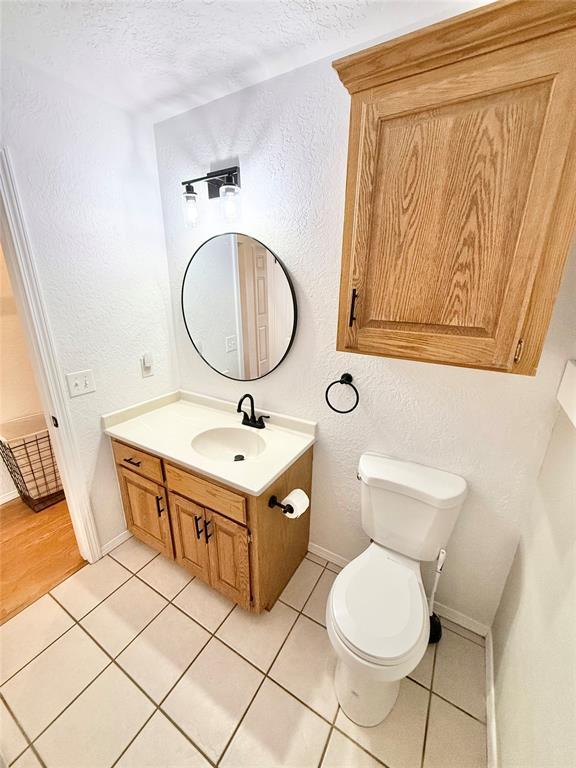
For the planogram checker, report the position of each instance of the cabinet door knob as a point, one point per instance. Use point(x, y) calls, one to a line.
point(159, 507)
point(197, 519)
point(206, 534)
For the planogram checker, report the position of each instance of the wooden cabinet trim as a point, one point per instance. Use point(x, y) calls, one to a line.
point(206, 493)
point(477, 32)
point(138, 461)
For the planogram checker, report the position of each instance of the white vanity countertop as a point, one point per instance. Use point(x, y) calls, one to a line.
point(167, 425)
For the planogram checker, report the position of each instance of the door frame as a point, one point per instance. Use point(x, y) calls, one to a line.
point(28, 295)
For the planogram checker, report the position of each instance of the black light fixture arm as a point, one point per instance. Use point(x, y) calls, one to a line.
point(216, 179)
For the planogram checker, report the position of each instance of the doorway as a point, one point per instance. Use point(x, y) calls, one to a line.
point(38, 546)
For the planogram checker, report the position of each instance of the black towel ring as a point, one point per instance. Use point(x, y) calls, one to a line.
point(346, 378)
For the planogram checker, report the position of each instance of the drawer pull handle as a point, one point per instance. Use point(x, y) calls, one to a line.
point(132, 461)
point(206, 534)
point(197, 519)
point(159, 507)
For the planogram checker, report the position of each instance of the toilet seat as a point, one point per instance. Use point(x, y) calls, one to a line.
point(379, 607)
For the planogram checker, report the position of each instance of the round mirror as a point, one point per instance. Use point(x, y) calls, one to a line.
point(239, 306)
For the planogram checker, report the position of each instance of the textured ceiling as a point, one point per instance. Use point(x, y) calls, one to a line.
point(164, 56)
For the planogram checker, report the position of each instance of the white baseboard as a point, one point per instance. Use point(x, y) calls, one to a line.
point(9, 496)
point(326, 554)
point(115, 542)
point(460, 618)
point(491, 740)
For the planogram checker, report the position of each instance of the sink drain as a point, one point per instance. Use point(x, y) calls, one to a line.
point(239, 457)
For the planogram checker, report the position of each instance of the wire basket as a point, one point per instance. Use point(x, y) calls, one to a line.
point(27, 453)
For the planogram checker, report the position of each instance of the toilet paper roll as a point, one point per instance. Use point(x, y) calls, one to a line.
point(298, 500)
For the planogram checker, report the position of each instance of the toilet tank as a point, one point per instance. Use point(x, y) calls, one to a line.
point(408, 507)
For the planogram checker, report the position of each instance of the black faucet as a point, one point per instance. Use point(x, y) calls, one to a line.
point(250, 421)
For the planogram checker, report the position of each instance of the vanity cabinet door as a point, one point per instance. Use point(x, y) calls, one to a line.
point(228, 554)
point(146, 511)
point(189, 537)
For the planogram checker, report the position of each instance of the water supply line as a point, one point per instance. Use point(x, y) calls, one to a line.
point(439, 565)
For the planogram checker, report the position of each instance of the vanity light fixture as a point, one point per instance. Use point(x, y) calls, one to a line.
point(190, 202)
point(228, 192)
point(224, 184)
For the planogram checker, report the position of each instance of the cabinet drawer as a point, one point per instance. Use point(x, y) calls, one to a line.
point(138, 461)
point(206, 493)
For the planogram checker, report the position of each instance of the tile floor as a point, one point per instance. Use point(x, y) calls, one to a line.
point(131, 663)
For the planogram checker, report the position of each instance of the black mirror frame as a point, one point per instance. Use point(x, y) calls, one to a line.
point(292, 293)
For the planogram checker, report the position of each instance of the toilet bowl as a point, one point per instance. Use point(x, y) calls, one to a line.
point(377, 621)
point(377, 614)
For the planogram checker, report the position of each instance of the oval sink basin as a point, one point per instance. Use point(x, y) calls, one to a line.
point(228, 444)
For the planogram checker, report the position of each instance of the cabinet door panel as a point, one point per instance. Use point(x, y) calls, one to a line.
point(453, 176)
point(188, 530)
point(146, 511)
point(228, 553)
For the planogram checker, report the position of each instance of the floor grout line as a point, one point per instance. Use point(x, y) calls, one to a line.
point(158, 707)
point(113, 662)
point(323, 755)
point(40, 652)
point(428, 708)
point(133, 739)
point(452, 704)
point(18, 725)
point(266, 675)
point(77, 621)
point(212, 635)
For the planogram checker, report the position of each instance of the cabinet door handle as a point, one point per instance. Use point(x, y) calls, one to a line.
point(197, 519)
point(352, 307)
point(159, 507)
point(133, 462)
point(206, 534)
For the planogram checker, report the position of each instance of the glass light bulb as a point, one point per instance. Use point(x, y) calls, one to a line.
point(228, 193)
point(190, 202)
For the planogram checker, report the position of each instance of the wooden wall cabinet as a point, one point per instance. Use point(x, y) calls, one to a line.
point(232, 541)
point(461, 188)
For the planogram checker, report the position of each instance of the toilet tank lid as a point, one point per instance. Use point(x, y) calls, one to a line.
point(433, 486)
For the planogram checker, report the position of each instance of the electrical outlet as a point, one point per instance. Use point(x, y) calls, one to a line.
point(231, 343)
point(80, 383)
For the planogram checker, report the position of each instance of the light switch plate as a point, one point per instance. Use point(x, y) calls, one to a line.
point(231, 343)
point(80, 382)
point(146, 366)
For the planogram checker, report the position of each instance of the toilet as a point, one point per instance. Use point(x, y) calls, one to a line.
point(377, 612)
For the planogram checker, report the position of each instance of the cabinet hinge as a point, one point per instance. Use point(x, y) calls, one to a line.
point(519, 349)
point(249, 537)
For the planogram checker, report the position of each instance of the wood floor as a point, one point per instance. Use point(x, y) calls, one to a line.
point(37, 551)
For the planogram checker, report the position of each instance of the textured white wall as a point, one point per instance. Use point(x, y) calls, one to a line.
point(291, 136)
point(535, 628)
point(88, 181)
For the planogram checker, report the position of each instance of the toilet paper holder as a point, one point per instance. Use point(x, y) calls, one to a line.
point(287, 509)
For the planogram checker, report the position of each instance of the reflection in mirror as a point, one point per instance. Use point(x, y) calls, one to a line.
point(239, 306)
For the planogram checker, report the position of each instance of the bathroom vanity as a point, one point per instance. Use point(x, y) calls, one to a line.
point(186, 493)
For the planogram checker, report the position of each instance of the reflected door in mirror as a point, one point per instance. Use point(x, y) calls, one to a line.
point(239, 306)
